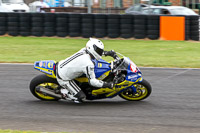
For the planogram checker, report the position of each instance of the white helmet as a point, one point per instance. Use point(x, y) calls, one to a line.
point(95, 47)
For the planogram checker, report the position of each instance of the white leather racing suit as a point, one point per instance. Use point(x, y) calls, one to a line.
point(74, 66)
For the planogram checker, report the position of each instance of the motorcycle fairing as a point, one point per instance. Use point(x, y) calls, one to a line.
point(101, 69)
point(47, 67)
point(133, 76)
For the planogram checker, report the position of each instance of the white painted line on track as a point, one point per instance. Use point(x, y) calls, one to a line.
point(139, 67)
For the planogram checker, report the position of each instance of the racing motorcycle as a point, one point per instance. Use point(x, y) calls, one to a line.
point(126, 76)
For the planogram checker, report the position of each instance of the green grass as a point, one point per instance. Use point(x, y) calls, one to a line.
point(151, 53)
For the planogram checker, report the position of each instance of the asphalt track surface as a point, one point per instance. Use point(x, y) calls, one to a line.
point(173, 107)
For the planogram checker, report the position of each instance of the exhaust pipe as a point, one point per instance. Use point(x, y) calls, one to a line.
point(48, 92)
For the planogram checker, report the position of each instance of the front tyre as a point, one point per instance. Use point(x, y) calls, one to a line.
point(143, 90)
point(43, 81)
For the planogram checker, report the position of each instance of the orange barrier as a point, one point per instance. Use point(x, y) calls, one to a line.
point(172, 28)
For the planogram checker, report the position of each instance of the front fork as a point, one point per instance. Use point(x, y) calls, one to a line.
point(134, 89)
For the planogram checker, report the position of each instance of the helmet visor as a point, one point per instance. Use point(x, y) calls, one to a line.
point(98, 50)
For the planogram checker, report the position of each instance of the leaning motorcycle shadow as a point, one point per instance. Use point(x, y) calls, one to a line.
point(91, 103)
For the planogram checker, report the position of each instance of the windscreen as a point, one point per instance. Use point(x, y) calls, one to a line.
point(182, 11)
point(12, 1)
point(124, 64)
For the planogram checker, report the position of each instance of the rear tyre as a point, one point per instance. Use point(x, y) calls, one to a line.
point(143, 91)
point(43, 81)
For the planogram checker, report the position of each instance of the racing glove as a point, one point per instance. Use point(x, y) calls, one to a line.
point(111, 53)
point(108, 85)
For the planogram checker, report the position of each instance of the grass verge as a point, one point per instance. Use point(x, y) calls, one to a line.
point(148, 53)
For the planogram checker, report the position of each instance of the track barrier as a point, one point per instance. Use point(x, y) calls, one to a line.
point(100, 25)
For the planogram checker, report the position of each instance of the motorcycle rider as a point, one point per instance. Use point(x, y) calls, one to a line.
point(78, 64)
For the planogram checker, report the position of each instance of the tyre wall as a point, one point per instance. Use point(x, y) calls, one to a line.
point(90, 25)
point(194, 28)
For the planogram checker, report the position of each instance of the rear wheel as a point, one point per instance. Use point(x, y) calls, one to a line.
point(46, 82)
point(143, 90)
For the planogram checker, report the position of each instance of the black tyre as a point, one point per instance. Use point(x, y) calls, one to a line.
point(87, 35)
point(49, 34)
point(126, 31)
point(194, 27)
point(140, 27)
point(74, 34)
point(62, 34)
point(62, 20)
point(100, 21)
point(126, 26)
point(24, 33)
point(2, 32)
point(37, 19)
point(113, 35)
point(49, 19)
point(153, 32)
point(100, 35)
point(153, 37)
point(113, 26)
point(100, 16)
point(126, 21)
point(74, 20)
point(143, 90)
point(87, 20)
point(49, 24)
point(13, 33)
point(3, 23)
point(13, 24)
point(113, 21)
point(24, 19)
point(100, 26)
point(13, 14)
point(3, 19)
point(126, 16)
point(139, 36)
point(195, 38)
point(43, 81)
point(90, 26)
point(140, 32)
point(61, 29)
point(140, 16)
point(35, 33)
point(3, 28)
point(49, 29)
point(2, 14)
point(126, 35)
point(24, 29)
point(37, 29)
point(37, 24)
point(153, 22)
point(13, 19)
point(140, 22)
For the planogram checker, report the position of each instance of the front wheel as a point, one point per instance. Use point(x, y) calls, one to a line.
point(143, 90)
point(46, 82)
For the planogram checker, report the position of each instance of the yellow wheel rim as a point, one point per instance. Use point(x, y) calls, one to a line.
point(140, 94)
point(43, 96)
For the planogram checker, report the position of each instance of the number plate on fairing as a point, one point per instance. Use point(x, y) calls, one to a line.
point(47, 67)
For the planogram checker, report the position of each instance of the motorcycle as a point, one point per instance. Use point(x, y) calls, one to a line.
point(126, 76)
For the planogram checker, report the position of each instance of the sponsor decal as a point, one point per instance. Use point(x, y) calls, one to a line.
point(132, 76)
point(40, 65)
point(44, 64)
point(50, 65)
point(99, 65)
point(133, 67)
point(102, 77)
